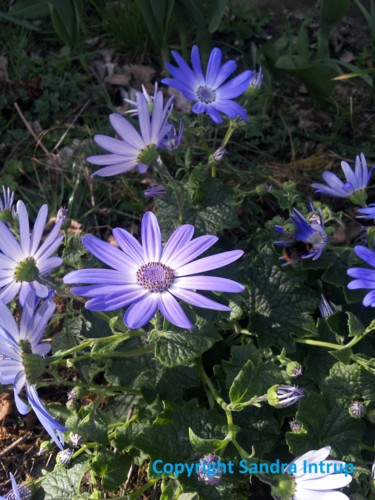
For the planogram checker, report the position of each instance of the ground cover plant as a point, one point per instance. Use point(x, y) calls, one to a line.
point(186, 251)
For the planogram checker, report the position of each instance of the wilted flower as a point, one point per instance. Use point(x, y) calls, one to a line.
point(172, 139)
point(257, 79)
point(357, 409)
point(281, 396)
point(317, 478)
point(21, 492)
point(149, 99)
point(295, 425)
point(65, 456)
point(325, 307)
point(208, 470)
point(147, 277)
point(134, 149)
point(75, 439)
point(209, 92)
point(6, 205)
point(23, 360)
point(24, 263)
point(155, 191)
point(63, 214)
point(365, 277)
point(355, 183)
point(308, 240)
point(369, 212)
point(294, 369)
point(219, 154)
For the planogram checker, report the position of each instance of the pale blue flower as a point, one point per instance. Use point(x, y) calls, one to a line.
point(369, 212)
point(322, 485)
point(208, 91)
point(365, 278)
point(134, 149)
point(7, 211)
point(155, 191)
point(148, 278)
point(17, 492)
point(24, 262)
point(355, 183)
point(22, 357)
point(281, 395)
point(311, 234)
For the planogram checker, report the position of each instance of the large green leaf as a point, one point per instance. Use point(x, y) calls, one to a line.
point(64, 482)
point(168, 438)
point(173, 348)
point(278, 302)
point(325, 422)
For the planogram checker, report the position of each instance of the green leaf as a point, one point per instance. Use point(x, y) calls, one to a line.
point(278, 303)
point(173, 348)
point(66, 20)
point(73, 251)
point(354, 324)
point(343, 355)
point(204, 446)
point(30, 9)
point(112, 468)
point(91, 423)
point(64, 482)
point(18, 21)
point(325, 422)
point(240, 390)
point(168, 437)
point(349, 382)
point(317, 76)
point(216, 14)
point(125, 371)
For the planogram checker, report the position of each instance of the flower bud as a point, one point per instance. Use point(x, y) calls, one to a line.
point(294, 369)
point(357, 409)
point(281, 396)
point(65, 457)
point(295, 425)
point(208, 470)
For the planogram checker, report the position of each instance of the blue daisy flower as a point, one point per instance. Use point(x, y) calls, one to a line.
point(23, 264)
point(135, 149)
point(21, 355)
point(365, 278)
point(355, 183)
point(148, 278)
point(208, 91)
point(308, 241)
point(18, 492)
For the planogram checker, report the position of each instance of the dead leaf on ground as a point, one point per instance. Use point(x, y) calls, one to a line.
point(6, 403)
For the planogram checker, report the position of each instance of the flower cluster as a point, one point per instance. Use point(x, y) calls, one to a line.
point(355, 183)
point(310, 484)
point(22, 357)
point(208, 91)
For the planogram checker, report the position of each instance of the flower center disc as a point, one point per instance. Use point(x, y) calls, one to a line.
point(155, 277)
point(205, 94)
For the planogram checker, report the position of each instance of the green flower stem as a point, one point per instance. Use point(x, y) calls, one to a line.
point(89, 343)
point(143, 488)
point(232, 431)
point(228, 135)
point(367, 448)
point(108, 390)
point(104, 355)
point(318, 343)
point(338, 347)
point(209, 384)
point(85, 447)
